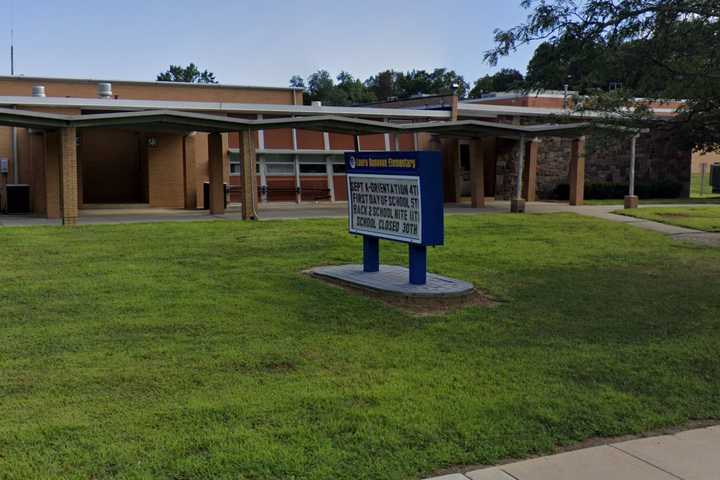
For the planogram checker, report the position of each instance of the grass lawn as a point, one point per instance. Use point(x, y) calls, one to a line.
point(699, 218)
point(199, 350)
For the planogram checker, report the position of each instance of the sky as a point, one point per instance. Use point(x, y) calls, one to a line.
point(263, 42)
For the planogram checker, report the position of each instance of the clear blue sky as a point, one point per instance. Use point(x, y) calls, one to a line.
point(260, 42)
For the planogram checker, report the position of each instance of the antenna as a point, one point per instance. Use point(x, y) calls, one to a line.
point(12, 37)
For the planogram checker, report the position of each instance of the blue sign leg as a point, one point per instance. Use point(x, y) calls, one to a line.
point(371, 254)
point(418, 264)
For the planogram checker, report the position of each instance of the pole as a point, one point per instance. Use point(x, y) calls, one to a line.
point(633, 150)
point(517, 204)
point(520, 169)
point(371, 254)
point(702, 179)
point(418, 264)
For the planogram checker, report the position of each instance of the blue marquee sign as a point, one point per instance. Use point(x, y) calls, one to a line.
point(396, 196)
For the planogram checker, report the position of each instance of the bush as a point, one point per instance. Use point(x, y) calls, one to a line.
point(603, 191)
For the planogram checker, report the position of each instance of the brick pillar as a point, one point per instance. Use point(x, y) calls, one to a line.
point(249, 167)
point(490, 165)
point(52, 175)
point(190, 171)
point(451, 170)
point(68, 166)
point(215, 174)
point(477, 173)
point(577, 171)
point(530, 175)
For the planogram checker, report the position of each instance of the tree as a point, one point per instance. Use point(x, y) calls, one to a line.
point(383, 85)
point(296, 81)
point(505, 80)
point(189, 74)
point(660, 49)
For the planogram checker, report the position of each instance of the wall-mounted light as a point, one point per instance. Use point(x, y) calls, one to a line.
point(152, 142)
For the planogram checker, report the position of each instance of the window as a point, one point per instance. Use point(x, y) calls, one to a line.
point(235, 164)
point(278, 164)
point(338, 164)
point(313, 168)
point(280, 169)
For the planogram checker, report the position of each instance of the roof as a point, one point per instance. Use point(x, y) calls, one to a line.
point(475, 129)
point(142, 82)
point(171, 120)
point(106, 104)
point(483, 110)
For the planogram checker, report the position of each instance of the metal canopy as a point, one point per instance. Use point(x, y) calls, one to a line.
point(330, 123)
point(477, 129)
point(180, 121)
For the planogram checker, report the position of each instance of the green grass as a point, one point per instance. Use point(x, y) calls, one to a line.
point(699, 218)
point(199, 350)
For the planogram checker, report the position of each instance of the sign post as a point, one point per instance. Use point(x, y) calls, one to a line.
point(396, 196)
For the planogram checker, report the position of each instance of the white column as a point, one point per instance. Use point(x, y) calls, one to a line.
point(330, 179)
point(520, 168)
point(633, 151)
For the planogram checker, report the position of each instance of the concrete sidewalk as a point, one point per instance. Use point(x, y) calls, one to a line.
point(689, 455)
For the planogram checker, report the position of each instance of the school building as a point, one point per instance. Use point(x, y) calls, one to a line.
point(74, 144)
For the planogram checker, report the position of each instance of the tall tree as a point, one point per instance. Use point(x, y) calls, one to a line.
point(189, 74)
point(672, 40)
point(502, 81)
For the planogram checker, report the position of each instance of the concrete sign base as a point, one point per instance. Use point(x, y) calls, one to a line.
point(394, 280)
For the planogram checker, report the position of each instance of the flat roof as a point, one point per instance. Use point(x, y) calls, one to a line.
point(172, 120)
point(225, 107)
point(142, 82)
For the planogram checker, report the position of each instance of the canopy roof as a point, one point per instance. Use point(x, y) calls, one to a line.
point(476, 128)
point(180, 121)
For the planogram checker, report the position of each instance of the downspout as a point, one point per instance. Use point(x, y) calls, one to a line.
point(13, 148)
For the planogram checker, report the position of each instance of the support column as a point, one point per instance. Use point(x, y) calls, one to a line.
point(477, 173)
point(215, 174)
point(190, 171)
point(632, 200)
point(69, 180)
point(517, 204)
point(577, 172)
point(371, 254)
point(53, 205)
point(531, 165)
point(249, 162)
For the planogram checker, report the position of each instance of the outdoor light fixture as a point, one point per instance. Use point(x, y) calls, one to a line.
point(152, 142)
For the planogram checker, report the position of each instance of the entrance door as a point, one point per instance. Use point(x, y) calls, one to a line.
point(111, 166)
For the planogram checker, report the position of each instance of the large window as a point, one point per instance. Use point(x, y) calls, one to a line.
point(278, 164)
point(236, 165)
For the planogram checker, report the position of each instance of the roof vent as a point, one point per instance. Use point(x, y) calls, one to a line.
point(317, 103)
point(38, 91)
point(104, 90)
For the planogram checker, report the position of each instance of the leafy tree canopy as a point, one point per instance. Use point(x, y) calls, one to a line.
point(658, 49)
point(189, 74)
point(348, 90)
point(502, 81)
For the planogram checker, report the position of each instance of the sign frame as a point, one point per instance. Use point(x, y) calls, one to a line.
point(426, 169)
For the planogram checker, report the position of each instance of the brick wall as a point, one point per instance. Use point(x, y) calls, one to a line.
point(165, 172)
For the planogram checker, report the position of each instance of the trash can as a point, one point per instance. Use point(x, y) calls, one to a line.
point(17, 198)
point(715, 177)
point(206, 195)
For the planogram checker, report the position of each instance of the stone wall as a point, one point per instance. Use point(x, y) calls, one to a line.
point(660, 159)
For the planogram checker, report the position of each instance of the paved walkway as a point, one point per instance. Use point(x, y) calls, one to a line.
point(689, 455)
point(339, 210)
